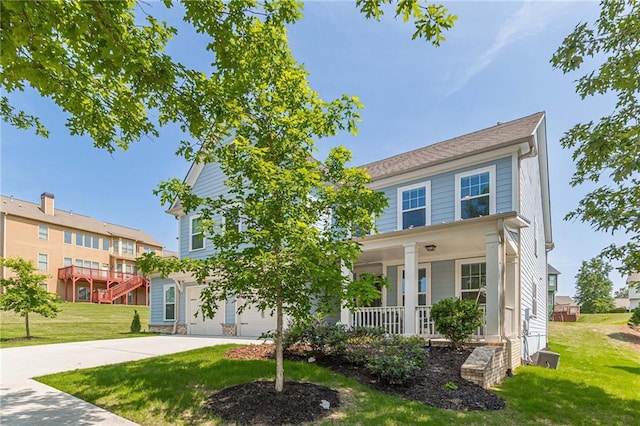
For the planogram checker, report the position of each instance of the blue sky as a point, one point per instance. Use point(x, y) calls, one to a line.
point(493, 67)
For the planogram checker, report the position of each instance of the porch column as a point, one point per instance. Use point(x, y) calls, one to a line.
point(410, 288)
point(345, 314)
point(495, 287)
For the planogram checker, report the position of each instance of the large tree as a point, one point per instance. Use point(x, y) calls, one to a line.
point(23, 294)
point(104, 62)
point(606, 150)
point(593, 287)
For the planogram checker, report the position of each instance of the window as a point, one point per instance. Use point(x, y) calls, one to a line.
point(67, 237)
point(87, 240)
point(43, 262)
point(169, 302)
point(79, 263)
point(67, 261)
point(95, 242)
point(84, 294)
point(128, 247)
point(44, 286)
point(148, 250)
point(476, 193)
point(413, 206)
point(105, 244)
point(232, 220)
point(473, 282)
point(424, 297)
point(79, 238)
point(43, 232)
point(116, 246)
point(196, 242)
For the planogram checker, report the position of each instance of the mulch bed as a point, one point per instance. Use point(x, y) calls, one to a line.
point(437, 384)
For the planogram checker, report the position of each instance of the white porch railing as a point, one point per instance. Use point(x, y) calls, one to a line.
point(389, 318)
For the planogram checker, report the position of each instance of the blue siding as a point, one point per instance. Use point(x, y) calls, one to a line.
point(442, 195)
point(156, 300)
point(210, 183)
point(442, 280)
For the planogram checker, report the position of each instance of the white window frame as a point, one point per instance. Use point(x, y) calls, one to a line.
point(401, 271)
point(64, 235)
point(458, 272)
point(164, 302)
point(43, 232)
point(46, 261)
point(191, 234)
point(67, 261)
point(427, 195)
point(492, 188)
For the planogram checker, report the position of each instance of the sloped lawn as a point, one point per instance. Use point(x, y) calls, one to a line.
point(76, 322)
point(597, 384)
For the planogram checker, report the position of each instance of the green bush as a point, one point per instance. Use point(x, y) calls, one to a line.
point(620, 310)
point(397, 358)
point(635, 317)
point(457, 319)
point(135, 323)
point(322, 338)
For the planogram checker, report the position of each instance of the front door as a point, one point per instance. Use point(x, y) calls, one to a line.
point(423, 285)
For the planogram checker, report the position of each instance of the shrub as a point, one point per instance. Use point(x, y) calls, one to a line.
point(322, 338)
point(135, 323)
point(456, 319)
point(397, 358)
point(635, 317)
point(620, 310)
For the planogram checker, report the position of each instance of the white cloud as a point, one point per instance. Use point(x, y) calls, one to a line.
point(530, 19)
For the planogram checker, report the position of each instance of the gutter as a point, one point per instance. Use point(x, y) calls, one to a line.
point(179, 288)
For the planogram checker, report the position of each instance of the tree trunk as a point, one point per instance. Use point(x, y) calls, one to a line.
point(279, 349)
point(26, 323)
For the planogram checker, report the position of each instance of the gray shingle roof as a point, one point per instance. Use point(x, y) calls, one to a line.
point(552, 270)
point(15, 207)
point(494, 137)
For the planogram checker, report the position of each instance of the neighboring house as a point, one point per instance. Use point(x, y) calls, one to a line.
point(565, 309)
point(634, 290)
point(552, 288)
point(621, 303)
point(85, 258)
point(468, 217)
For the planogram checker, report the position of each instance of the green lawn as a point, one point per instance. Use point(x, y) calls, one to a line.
point(597, 384)
point(76, 322)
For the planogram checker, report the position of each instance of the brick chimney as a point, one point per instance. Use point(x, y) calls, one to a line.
point(46, 203)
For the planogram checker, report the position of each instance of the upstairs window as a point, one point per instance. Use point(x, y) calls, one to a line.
point(196, 240)
point(413, 205)
point(43, 262)
point(43, 232)
point(476, 194)
point(67, 237)
point(105, 244)
point(128, 247)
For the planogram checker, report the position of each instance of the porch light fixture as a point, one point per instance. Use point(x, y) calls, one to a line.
point(430, 247)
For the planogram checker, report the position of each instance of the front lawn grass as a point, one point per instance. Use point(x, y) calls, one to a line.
point(597, 384)
point(75, 323)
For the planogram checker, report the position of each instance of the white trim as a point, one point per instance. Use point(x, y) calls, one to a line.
point(515, 184)
point(46, 261)
point(492, 187)
point(164, 302)
point(204, 244)
point(458, 272)
point(449, 166)
point(427, 193)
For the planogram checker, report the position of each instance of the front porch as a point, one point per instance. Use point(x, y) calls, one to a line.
point(474, 259)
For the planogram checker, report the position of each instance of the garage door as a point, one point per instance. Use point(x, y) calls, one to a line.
point(199, 324)
point(253, 323)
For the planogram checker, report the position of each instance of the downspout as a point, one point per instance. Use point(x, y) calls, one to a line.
point(503, 254)
point(3, 232)
point(179, 287)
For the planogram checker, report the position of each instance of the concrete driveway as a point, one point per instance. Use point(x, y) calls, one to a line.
point(27, 402)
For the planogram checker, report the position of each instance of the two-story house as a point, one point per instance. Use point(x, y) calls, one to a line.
point(468, 217)
point(85, 259)
point(634, 290)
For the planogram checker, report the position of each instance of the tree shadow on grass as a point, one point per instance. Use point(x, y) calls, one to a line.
point(632, 370)
point(626, 337)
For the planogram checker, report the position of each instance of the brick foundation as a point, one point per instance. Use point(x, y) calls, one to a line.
point(486, 366)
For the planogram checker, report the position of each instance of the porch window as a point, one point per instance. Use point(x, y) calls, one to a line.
point(67, 261)
point(476, 193)
point(474, 277)
point(413, 206)
point(169, 302)
point(84, 294)
point(423, 298)
point(196, 242)
point(43, 232)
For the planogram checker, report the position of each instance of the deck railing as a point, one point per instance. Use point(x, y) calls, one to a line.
point(94, 274)
point(389, 318)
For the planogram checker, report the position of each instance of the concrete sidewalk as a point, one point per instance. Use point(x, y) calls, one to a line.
point(27, 402)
